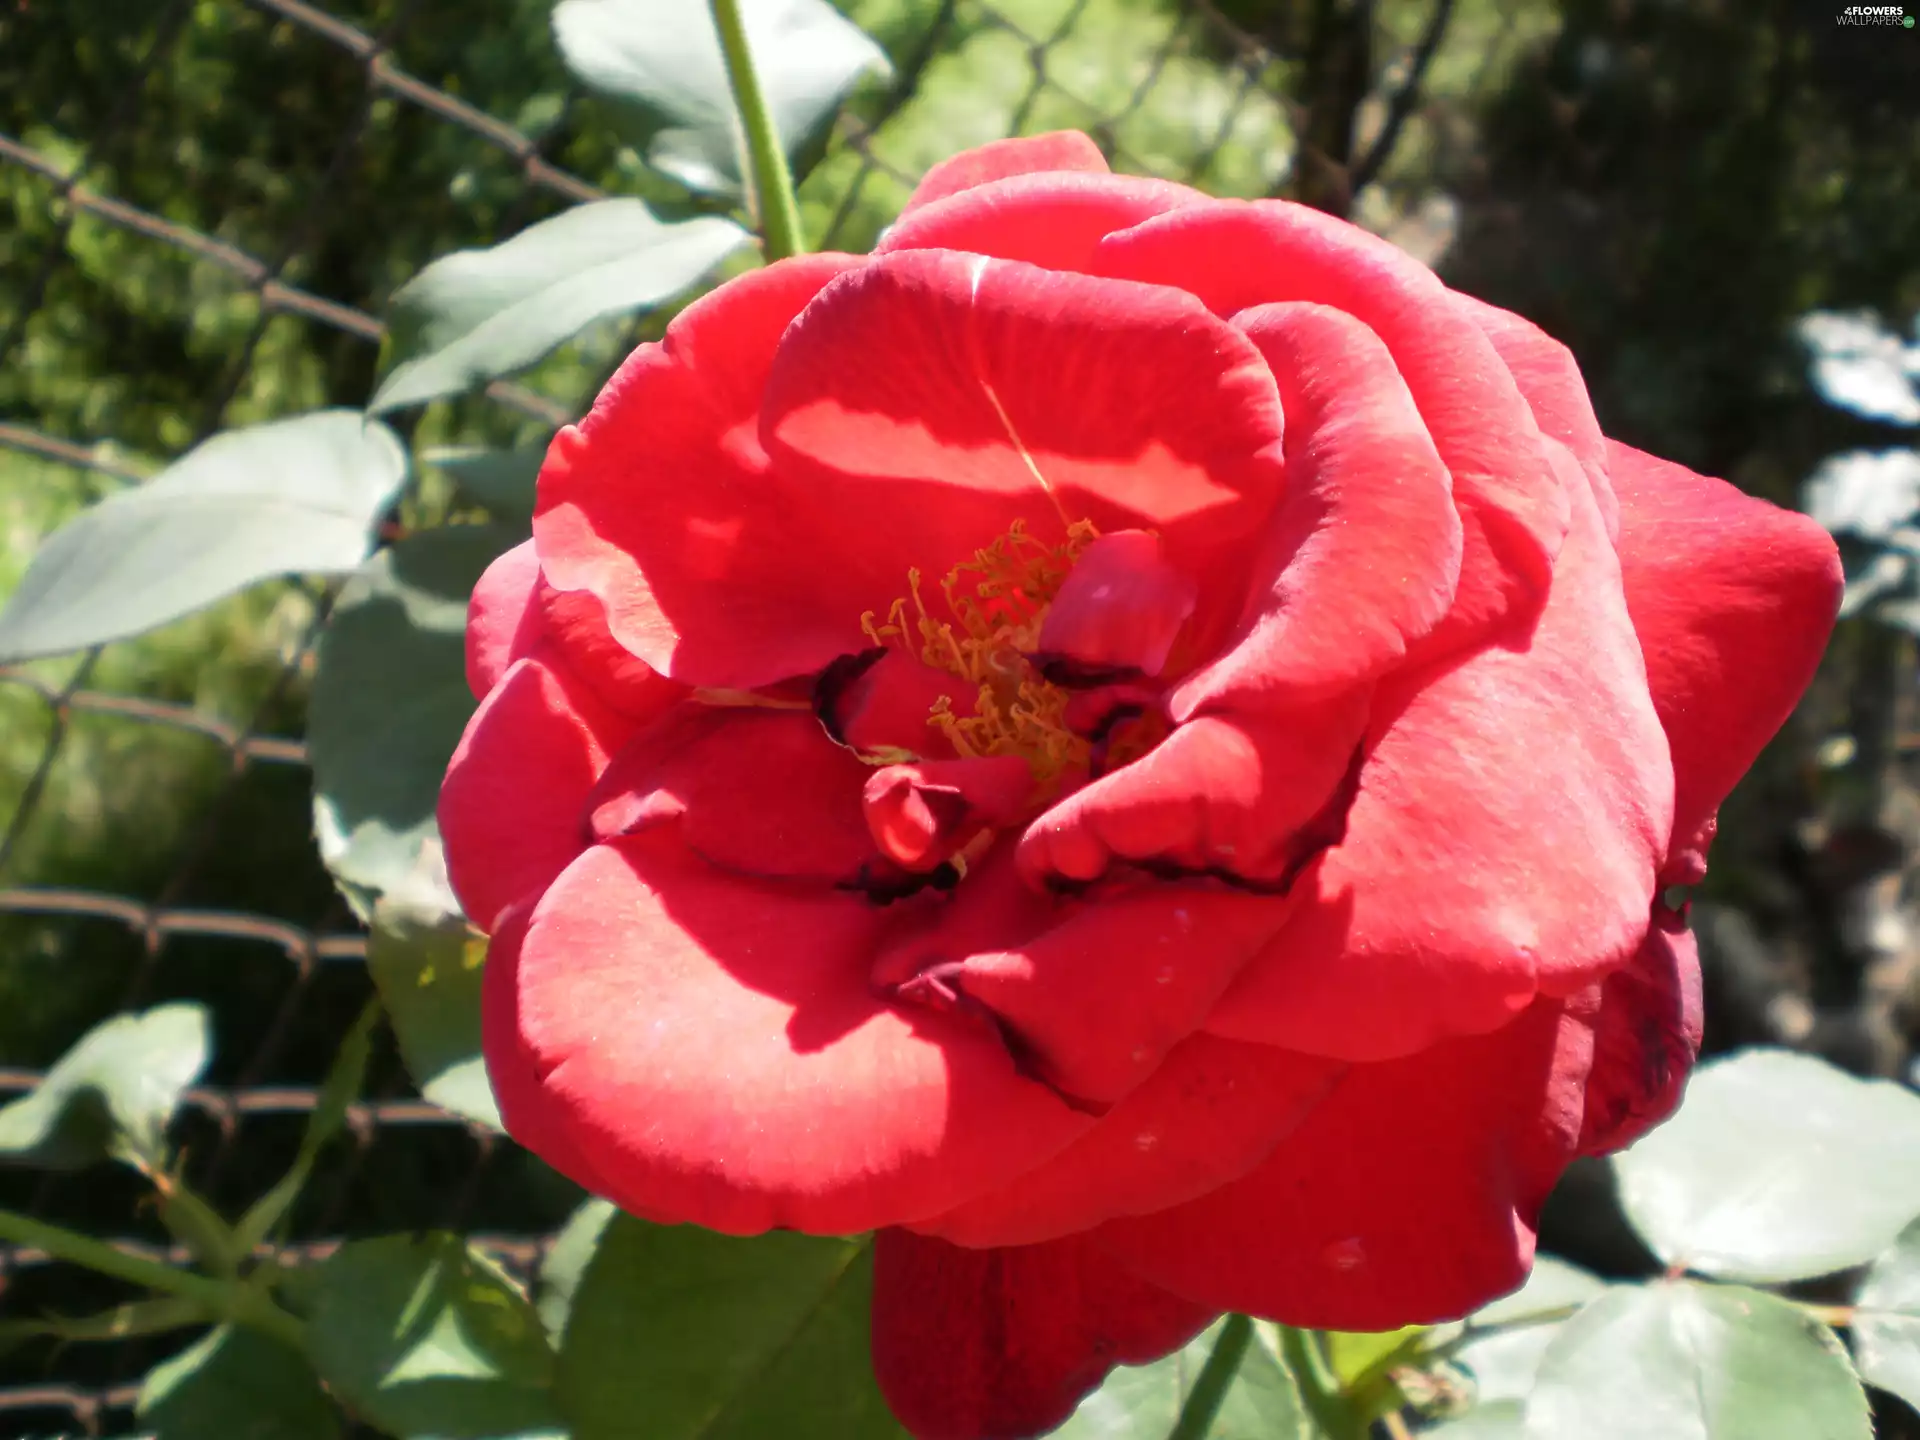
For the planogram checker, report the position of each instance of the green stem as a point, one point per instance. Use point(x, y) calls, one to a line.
point(1216, 1378)
point(224, 1299)
point(1320, 1389)
point(777, 210)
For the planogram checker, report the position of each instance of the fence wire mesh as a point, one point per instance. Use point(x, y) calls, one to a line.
point(191, 242)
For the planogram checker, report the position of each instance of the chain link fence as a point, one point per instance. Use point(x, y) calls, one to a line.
point(155, 832)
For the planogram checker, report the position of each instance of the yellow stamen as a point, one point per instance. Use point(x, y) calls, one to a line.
point(998, 602)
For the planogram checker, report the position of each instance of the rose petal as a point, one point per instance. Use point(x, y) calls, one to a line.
point(515, 613)
point(756, 792)
point(1511, 818)
point(1119, 610)
point(1409, 1195)
point(1358, 566)
point(1646, 1038)
point(714, 1045)
point(919, 815)
point(1513, 507)
point(995, 1344)
point(510, 804)
point(577, 627)
point(1052, 220)
point(1096, 1000)
point(1733, 599)
point(503, 617)
point(877, 703)
point(510, 1072)
point(1058, 150)
point(1556, 392)
point(1212, 1111)
point(932, 399)
point(1364, 554)
point(661, 503)
point(1247, 797)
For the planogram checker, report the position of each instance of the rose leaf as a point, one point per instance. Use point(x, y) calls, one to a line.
point(113, 1093)
point(1710, 1362)
point(1886, 1319)
point(297, 496)
point(721, 1338)
point(390, 699)
point(240, 1383)
point(476, 315)
point(666, 56)
point(427, 1338)
point(428, 971)
point(1141, 1402)
point(1778, 1167)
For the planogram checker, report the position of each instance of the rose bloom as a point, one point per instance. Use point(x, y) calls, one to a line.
point(1133, 744)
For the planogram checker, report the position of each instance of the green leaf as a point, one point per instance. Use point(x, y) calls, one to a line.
point(1362, 1364)
point(295, 496)
point(1886, 1319)
point(1695, 1362)
point(1355, 1355)
point(1141, 1402)
point(476, 315)
point(390, 699)
point(1778, 1167)
point(344, 1079)
point(665, 54)
point(239, 1385)
point(427, 1339)
point(500, 480)
point(1500, 1351)
point(428, 970)
point(113, 1093)
point(566, 1265)
point(721, 1338)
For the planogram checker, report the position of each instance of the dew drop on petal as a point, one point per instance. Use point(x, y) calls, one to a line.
point(1347, 1254)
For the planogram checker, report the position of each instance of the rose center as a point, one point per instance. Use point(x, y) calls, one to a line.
point(995, 606)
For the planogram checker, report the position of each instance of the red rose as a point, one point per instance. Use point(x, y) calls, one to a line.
point(1131, 742)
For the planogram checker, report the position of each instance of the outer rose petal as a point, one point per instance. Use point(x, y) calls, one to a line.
point(1646, 1039)
point(503, 617)
point(1052, 220)
point(998, 1344)
point(1733, 599)
point(577, 628)
point(1511, 818)
point(1550, 378)
point(661, 503)
point(511, 1074)
point(515, 613)
point(1236, 254)
point(714, 1045)
point(999, 159)
point(1409, 1194)
point(510, 806)
point(1212, 1111)
point(933, 398)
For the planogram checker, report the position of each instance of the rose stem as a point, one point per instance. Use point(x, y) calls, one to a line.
point(776, 209)
point(1216, 1377)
